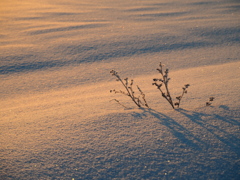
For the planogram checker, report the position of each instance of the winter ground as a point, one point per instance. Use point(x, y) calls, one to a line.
point(57, 117)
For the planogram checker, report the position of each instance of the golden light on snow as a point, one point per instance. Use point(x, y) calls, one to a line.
point(58, 119)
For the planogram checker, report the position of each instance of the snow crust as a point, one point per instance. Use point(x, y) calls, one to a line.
point(58, 119)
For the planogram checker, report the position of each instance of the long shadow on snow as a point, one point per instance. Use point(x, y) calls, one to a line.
point(231, 141)
point(189, 139)
point(179, 131)
point(223, 136)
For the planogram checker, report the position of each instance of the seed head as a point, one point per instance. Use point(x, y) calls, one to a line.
point(211, 98)
point(187, 85)
point(208, 103)
point(179, 97)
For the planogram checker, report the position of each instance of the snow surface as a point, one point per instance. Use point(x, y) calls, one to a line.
point(58, 119)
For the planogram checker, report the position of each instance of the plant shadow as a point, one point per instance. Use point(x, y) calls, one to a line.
point(216, 130)
point(206, 123)
point(180, 132)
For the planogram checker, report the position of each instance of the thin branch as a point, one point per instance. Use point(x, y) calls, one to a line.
point(121, 104)
point(163, 82)
point(129, 91)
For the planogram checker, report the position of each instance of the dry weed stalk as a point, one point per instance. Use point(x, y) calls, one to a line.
point(139, 101)
point(164, 82)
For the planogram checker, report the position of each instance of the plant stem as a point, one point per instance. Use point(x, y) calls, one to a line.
point(129, 94)
point(169, 98)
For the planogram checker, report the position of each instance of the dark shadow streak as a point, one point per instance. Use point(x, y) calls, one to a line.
point(180, 132)
point(186, 137)
point(228, 139)
point(116, 53)
point(99, 51)
point(69, 28)
point(233, 172)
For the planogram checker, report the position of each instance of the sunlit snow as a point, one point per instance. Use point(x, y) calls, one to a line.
point(58, 119)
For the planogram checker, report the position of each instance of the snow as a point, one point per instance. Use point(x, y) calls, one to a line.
point(58, 119)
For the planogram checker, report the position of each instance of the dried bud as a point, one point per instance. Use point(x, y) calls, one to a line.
point(179, 97)
point(211, 98)
point(208, 103)
point(187, 85)
point(131, 82)
point(114, 73)
point(161, 65)
point(176, 104)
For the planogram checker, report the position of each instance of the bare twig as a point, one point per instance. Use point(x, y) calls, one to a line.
point(129, 91)
point(120, 104)
point(163, 82)
point(179, 98)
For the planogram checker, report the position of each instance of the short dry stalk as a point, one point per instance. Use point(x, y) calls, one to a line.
point(139, 100)
point(162, 86)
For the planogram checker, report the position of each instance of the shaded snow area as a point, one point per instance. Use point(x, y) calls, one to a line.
point(58, 119)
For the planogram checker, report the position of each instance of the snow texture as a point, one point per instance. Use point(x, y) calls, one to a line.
point(58, 119)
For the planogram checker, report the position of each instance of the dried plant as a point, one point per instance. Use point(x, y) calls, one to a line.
point(179, 98)
point(162, 83)
point(139, 100)
point(209, 102)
